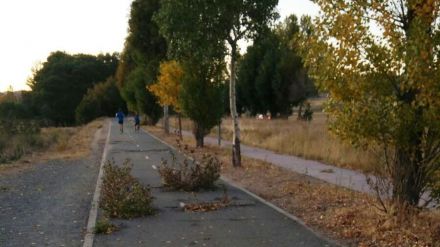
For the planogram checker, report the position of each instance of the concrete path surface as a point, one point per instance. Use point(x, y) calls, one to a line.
point(347, 178)
point(248, 222)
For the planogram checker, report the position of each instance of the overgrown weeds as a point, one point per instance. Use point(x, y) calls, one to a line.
point(18, 137)
point(104, 226)
point(190, 175)
point(123, 196)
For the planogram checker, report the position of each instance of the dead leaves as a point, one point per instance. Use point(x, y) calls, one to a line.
point(205, 206)
point(215, 205)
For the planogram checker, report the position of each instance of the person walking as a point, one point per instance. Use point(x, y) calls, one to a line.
point(120, 116)
point(137, 122)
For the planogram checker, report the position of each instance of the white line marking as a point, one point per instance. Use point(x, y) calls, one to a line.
point(90, 234)
point(147, 158)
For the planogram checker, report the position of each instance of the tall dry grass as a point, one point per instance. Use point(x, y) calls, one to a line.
point(310, 140)
point(48, 143)
point(70, 142)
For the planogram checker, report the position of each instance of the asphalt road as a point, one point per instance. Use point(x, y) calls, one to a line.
point(248, 223)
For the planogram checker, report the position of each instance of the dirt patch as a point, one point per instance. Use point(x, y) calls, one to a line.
point(347, 216)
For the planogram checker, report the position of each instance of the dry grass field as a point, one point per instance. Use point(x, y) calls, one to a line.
point(57, 143)
point(70, 142)
point(310, 140)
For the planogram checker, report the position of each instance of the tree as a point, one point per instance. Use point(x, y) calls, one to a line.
point(271, 74)
point(61, 82)
point(378, 61)
point(138, 98)
point(144, 49)
point(103, 99)
point(167, 88)
point(205, 26)
point(9, 96)
point(201, 96)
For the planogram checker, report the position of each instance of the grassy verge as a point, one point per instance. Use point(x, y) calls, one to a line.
point(310, 140)
point(72, 142)
point(350, 217)
point(49, 143)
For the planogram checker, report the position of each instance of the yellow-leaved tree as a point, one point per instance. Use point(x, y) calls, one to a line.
point(167, 89)
point(379, 62)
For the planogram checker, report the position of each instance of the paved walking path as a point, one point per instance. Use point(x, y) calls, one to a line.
point(248, 222)
point(339, 176)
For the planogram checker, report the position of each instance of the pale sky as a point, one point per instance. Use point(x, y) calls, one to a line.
point(31, 29)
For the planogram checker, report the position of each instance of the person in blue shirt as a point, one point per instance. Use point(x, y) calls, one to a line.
point(120, 116)
point(137, 122)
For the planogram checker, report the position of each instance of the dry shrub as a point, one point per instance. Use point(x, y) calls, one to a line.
point(104, 226)
point(123, 196)
point(190, 175)
point(17, 138)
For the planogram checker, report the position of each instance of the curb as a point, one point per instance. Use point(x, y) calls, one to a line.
point(90, 233)
point(260, 199)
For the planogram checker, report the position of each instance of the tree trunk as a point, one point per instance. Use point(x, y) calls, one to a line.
point(236, 153)
point(166, 120)
point(300, 111)
point(219, 140)
point(407, 178)
point(199, 134)
point(179, 118)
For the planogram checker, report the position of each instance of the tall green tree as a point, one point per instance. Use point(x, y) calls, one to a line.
point(378, 60)
point(211, 24)
point(201, 95)
point(104, 99)
point(270, 75)
point(61, 82)
point(144, 49)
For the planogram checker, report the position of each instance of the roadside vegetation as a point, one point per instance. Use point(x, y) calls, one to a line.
point(104, 226)
point(193, 174)
point(308, 139)
point(27, 141)
point(122, 195)
point(24, 134)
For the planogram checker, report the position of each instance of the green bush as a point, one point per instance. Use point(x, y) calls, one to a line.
point(14, 110)
point(122, 195)
point(191, 175)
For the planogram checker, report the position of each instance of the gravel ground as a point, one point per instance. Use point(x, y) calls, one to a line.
point(48, 204)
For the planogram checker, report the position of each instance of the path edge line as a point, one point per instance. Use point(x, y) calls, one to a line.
point(260, 199)
point(91, 223)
